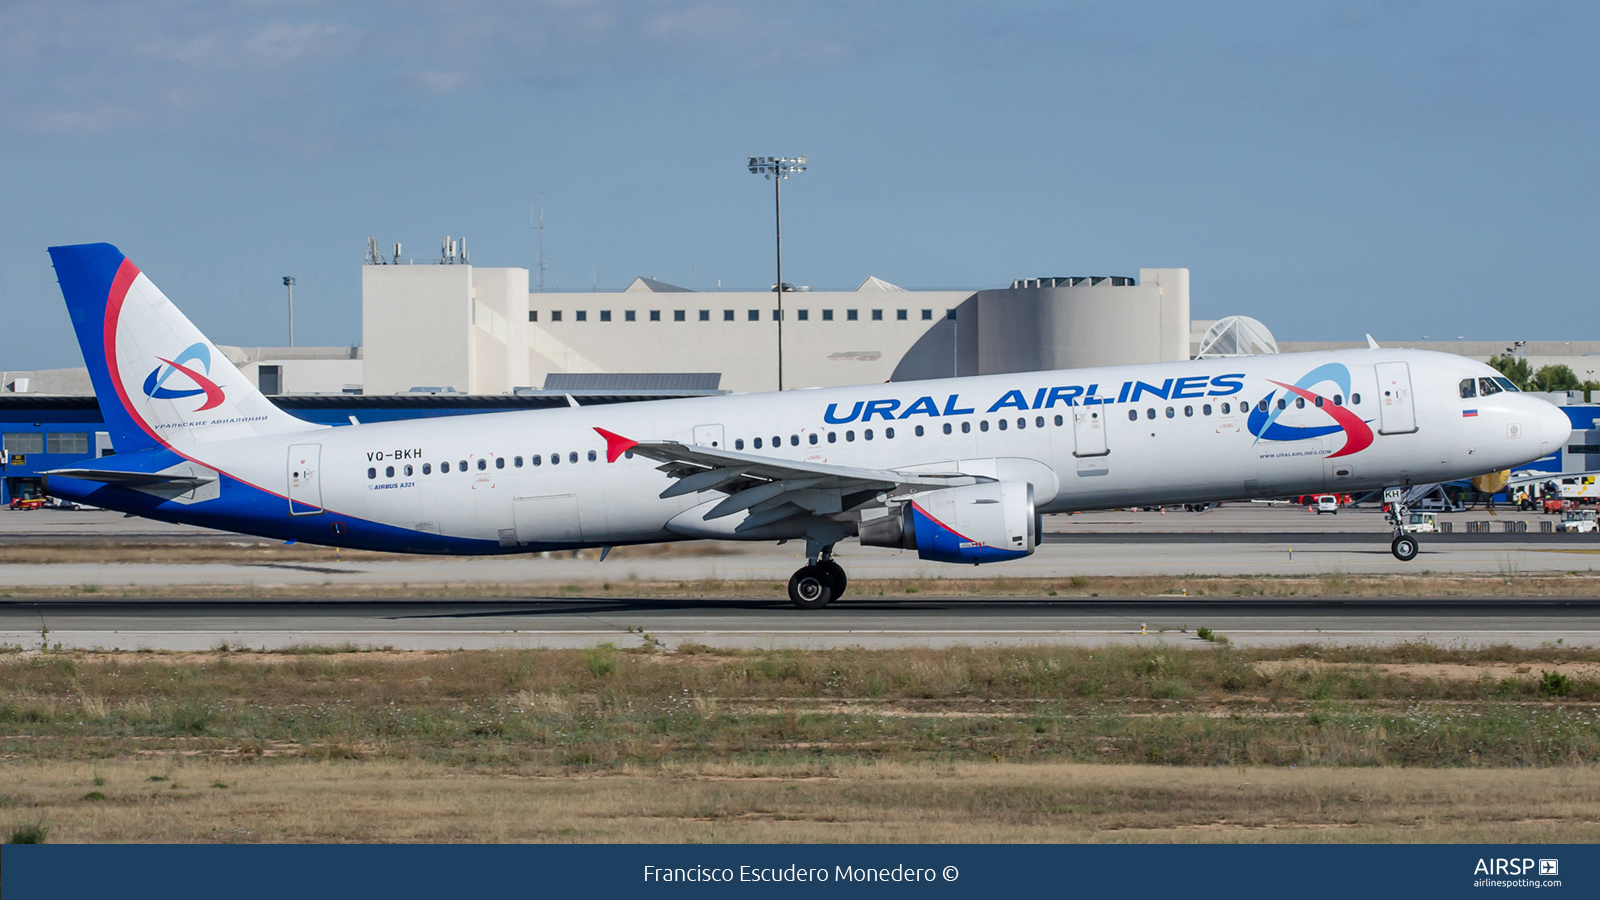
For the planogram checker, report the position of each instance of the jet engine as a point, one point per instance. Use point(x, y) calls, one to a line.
point(977, 523)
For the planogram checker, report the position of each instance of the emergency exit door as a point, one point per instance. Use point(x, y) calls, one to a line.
point(708, 436)
point(305, 479)
point(1397, 413)
point(1089, 431)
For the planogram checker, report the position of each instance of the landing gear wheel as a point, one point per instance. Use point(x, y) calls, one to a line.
point(836, 574)
point(1404, 548)
point(810, 588)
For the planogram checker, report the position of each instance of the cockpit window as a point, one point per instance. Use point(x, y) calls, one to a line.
point(1507, 383)
point(1469, 388)
point(1489, 386)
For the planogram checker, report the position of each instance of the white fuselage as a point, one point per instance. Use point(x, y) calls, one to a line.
point(1150, 449)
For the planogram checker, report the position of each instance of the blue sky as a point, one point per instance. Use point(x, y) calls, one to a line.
point(1403, 168)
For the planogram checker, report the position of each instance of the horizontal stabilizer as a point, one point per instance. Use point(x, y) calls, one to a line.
point(134, 479)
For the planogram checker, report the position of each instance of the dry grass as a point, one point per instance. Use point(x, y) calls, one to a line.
point(1572, 585)
point(209, 801)
point(1406, 743)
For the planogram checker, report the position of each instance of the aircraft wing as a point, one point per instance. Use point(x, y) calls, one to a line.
point(772, 489)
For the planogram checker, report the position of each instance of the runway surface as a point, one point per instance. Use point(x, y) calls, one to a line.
point(760, 623)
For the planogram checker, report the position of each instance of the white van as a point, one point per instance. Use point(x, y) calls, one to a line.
point(1327, 503)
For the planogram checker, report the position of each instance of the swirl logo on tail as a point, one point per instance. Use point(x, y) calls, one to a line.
point(1264, 424)
point(155, 384)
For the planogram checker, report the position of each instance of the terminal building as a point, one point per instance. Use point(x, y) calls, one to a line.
point(452, 338)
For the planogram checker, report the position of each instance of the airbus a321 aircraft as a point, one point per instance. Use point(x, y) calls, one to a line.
point(957, 469)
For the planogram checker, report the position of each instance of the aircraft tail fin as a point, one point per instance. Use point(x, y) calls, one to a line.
point(160, 382)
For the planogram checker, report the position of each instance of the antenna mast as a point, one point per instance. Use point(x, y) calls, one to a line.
point(540, 228)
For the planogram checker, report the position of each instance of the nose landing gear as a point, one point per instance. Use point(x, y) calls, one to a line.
point(1404, 548)
point(819, 583)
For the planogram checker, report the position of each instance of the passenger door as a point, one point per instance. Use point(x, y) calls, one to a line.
point(1396, 412)
point(1089, 440)
point(305, 479)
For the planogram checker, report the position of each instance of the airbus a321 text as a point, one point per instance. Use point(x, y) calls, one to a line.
point(957, 469)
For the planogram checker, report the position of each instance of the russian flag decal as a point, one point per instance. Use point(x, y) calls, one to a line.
point(1469, 413)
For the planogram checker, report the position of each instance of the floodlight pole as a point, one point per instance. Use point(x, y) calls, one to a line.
point(778, 168)
point(288, 282)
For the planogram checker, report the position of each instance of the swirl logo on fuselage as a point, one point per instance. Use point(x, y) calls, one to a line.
point(1264, 424)
point(155, 384)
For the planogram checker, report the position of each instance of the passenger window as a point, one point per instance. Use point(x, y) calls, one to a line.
point(1002, 424)
point(444, 468)
point(1150, 413)
point(1262, 406)
point(833, 437)
point(919, 431)
point(794, 440)
point(372, 473)
point(517, 462)
point(1133, 415)
point(1282, 403)
point(947, 428)
point(888, 433)
point(536, 459)
point(463, 465)
point(812, 437)
point(482, 464)
point(867, 434)
point(984, 425)
point(1038, 421)
point(1205, 410)
point(1319, 401)
point(1226, 408)
point(966, 427)
point(1355, 399)
point(388, 471)
point(499, 462)
point(408, 471)
point(738, 444)
point(1469, 388)
point(1338, 400)
point(593, 457)
point(1171, 413)
point(777, 441)
point(1299, 403)
point(1489, 386)
point(572, 457)
point(555, 459)
point(849, 435)
point(1059, 420)
point(1022, 423)
point(756, 443)
point(427, 468)
point(1188, 412)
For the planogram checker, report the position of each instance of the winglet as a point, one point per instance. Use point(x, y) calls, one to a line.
point(616, 444)
point(1372, 344)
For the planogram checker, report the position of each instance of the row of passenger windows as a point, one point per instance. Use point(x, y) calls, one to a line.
point(1262, 405)
point(888, 433)
point(866, 434)
point(1485, 387)
point(483, 464)
point(729, 315)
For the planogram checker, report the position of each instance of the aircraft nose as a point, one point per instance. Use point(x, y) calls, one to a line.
point(1554, 426)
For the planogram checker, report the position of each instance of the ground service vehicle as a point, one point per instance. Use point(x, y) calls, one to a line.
point(1577, 521)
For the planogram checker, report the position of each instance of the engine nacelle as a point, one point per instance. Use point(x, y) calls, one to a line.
point(977, 523)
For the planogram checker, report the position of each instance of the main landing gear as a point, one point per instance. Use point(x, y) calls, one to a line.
point(819, 583)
